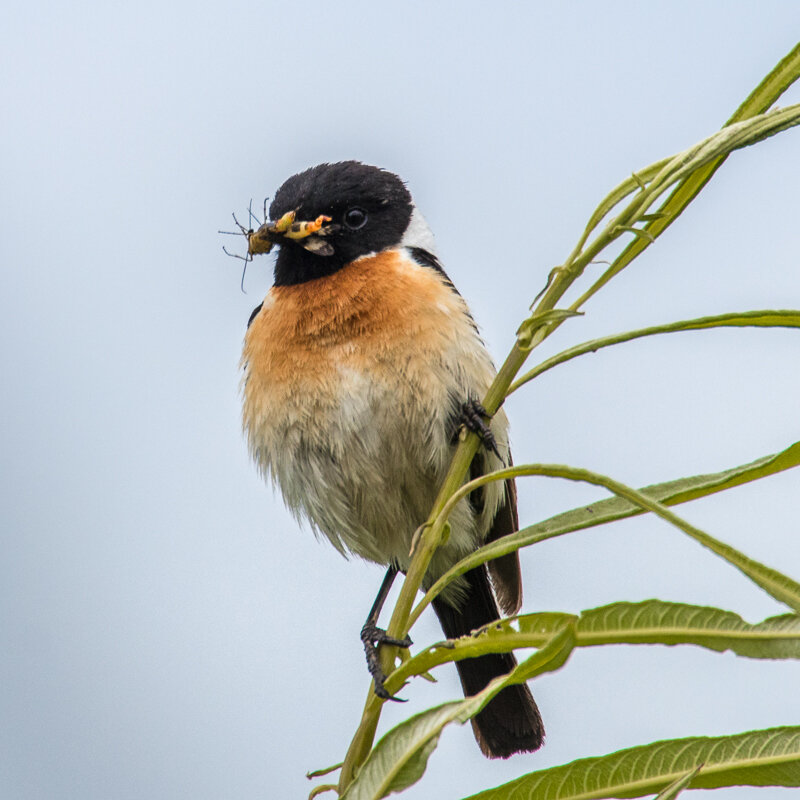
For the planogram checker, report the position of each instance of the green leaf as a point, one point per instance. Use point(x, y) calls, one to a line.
point(780, 586)
point(645, 234)
point(779, 79)
point(319, 773)
point(685, 489)
point(676, 173)
point(401, 756)
point(775, 583)
point(637, 181)
point(647, 622)
point(660, 622)
point(759, 100)
point(755, 319)
point(669, 493)
point(757, 758)
point(537, 320)
point(321, 789)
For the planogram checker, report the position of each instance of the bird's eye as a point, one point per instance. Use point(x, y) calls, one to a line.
point(355, 218)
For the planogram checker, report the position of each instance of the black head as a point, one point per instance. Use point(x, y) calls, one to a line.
point(370, 207)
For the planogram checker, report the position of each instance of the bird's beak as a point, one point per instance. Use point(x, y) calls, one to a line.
point(288, 227)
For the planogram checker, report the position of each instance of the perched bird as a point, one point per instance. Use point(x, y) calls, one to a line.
point(360, 366)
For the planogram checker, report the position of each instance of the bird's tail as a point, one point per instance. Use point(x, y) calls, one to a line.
point(510, 723)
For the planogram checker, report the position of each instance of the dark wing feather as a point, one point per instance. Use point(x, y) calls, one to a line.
point(254, 314)
point(505, 571)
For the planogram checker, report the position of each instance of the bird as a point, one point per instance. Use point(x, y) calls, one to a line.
point(359, 368)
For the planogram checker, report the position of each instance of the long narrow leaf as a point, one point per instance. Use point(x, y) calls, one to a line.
point(755, 319)
point(657, 621)
point(757, 758)
point(783, 75)
point(669, 493)
point(649, 622)
point(780, 586)
point(679, 172)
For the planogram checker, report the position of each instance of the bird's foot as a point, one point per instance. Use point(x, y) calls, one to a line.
point(372, 636)
point(472, 418)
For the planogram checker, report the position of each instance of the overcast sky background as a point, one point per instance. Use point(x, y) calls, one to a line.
point(167, 631)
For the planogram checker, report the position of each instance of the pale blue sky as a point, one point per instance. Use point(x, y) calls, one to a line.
point(167, 630)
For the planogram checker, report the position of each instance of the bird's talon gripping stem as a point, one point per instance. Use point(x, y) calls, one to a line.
point(372, 636)
point(473, 415)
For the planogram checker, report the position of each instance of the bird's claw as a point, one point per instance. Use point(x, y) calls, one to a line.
point(472, 418)
point(372, 636)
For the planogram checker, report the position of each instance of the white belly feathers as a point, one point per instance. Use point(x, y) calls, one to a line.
point(351, 383)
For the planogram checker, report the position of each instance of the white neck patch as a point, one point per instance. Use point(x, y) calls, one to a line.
point(418, 234)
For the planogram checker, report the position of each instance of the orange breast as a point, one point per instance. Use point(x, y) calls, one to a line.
point(375, 314)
